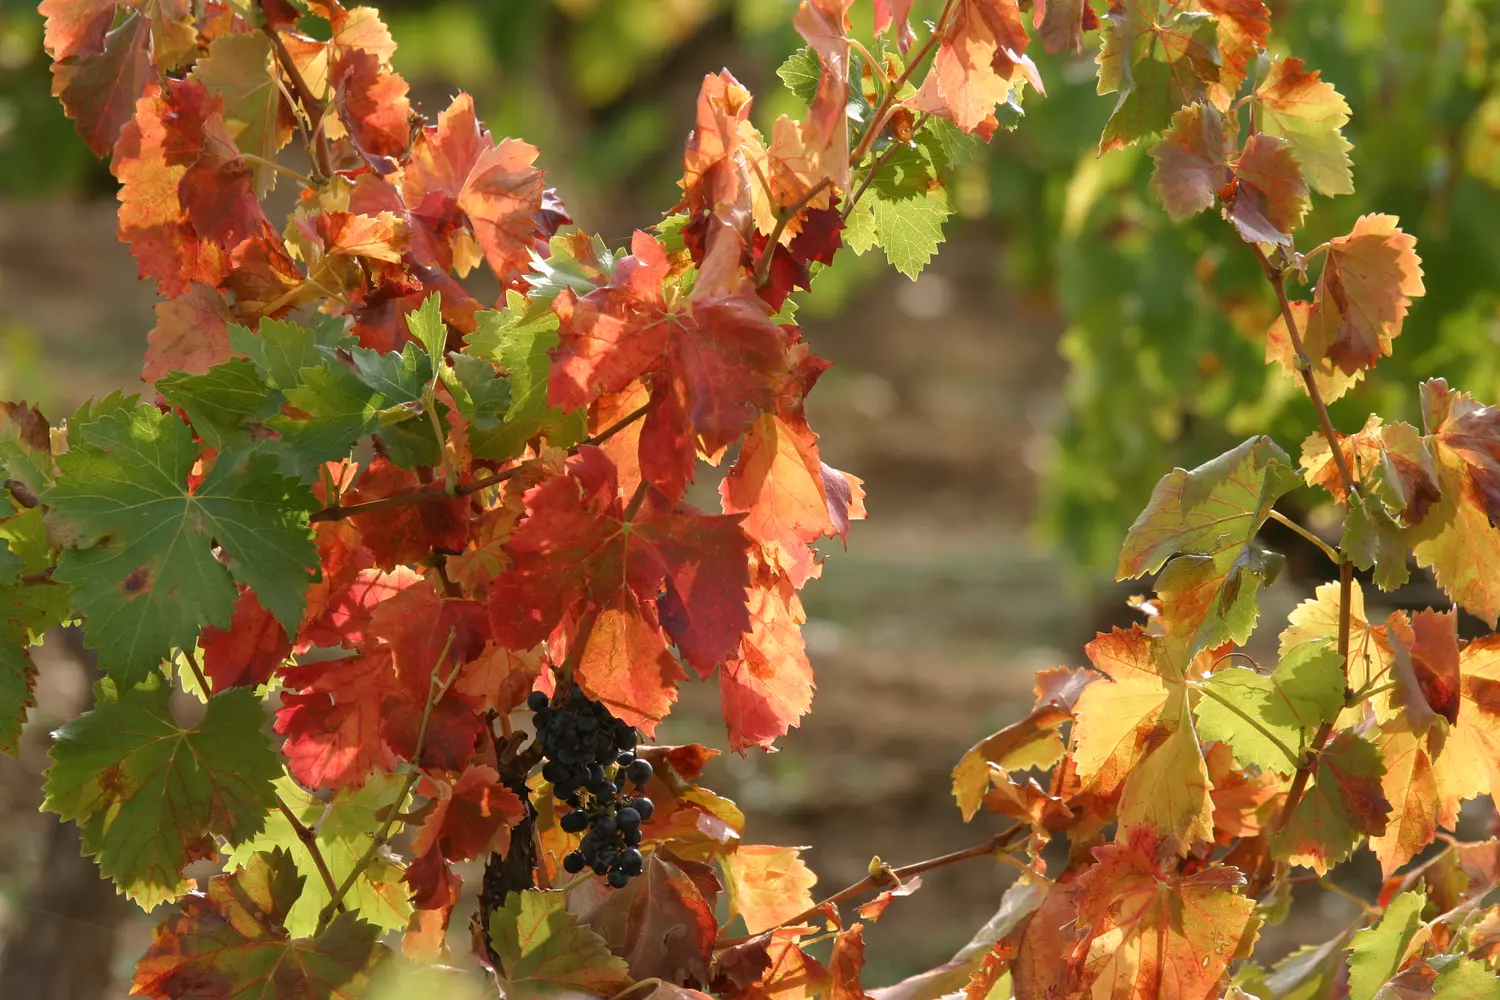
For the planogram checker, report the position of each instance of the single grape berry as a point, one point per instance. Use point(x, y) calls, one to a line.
point(575, 822)
point(631, 861)
point(554, 772)
point(628, 819)
point(644, 807)
point(606, 825)
point(625, 759)
point(639, 772)
point(603, 788)
point(632, 838)
point(618, 878)
point(599, 867)
point(536, 701)
point(573, 863)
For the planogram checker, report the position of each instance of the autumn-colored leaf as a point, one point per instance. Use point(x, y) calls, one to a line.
point(191, 334)
point(1157, 60)
point(1244, 26)
point(662, 923)
point(846, 964)
point(230, 941)
point(249, 650)
point(1458, 538)
point(1371, 653)
point(789, 972)
point(872, 910)
point(98, 74)
point(825, 25)
point(1208, 518)
point(1135, 733)
point(980, 54)
point(768, 687)
point(1469, 764)
point(1368, 281)
point(767, 885)
point(1296, 105)
point(1411, 786)
point(1426, 666)
point(1343, 804)
point(1152, 933)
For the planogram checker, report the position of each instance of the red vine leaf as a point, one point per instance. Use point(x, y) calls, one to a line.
point(872, 910)
point(248, 652)
point(1426, 666)
point(846, 964)
point(191, 334)
point(825, 26)
point(768, 686)
point(98, 73)
point(1368, 282)
point(1244, 26)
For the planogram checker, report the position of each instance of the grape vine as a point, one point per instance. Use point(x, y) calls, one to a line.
point(394, 519)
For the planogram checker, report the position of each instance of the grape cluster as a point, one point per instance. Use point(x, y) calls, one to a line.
point(590, 758)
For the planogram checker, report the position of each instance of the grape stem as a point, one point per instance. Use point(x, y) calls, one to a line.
point(1000, 842)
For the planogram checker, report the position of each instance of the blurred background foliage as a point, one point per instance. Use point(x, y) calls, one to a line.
point(1164, 323)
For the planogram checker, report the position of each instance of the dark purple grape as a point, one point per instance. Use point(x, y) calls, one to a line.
point(631, 861)
point(628, 819)
point(603, 788)
point(554, 772)
point(625, 737)
point(575, 822)
point(625, 759)
point(606, 856)
point(599, 867)
point(631, 837)
point(536, 701)
point(574, 863)
point(606, 825)
point(645, 807)
point(618, 878)
point(639, 772)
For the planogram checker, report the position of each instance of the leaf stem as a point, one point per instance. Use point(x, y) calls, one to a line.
point(1276, 275)
point(1331, 886)
point(880, 161)
point(313, 108)
point(1328, 550)
point(786, 215)
point(1290, 754)
point(261, 161)
point(435, 691)
point(653, 982)
point(337, 512)
point(1001, 841)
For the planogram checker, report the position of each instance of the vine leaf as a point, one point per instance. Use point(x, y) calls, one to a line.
point(343, 827)
point(148, 578)
point(982, 51)
point(768, 686)
point(1296, 105)
point(1304, 691)
point(1264, 195)
point(846, 964)
point(1244, 26)
point(1135, 734)
point(1471, 755)
point(1418, 806)
point(1344, 803)
point(544, 950)
point(578, 548)
point(519, 338)
point(248, 652)
point(1032, 742)
point(237, 68)
point(1371, 653)
point(1373, 540)
point(1209, 518)
point(824, 24)
point(1426, 667)
point(767, 885)
point(232, 941)
point(1157, 59)
point(1368, 281)
point(1458, 539)
point(715, 358)
point(1375, 953)
point(1151, 931)
point(26, 612)
point(149, 795)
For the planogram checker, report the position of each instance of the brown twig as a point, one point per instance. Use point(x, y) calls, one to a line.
point(22, 493)
point(881, 161)
point(1277, 277)
point(886, 877)
point(311, 106)
point(877, 121)
point(337, 512)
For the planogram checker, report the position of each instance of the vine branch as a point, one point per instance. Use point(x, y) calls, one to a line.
point(439, 491)
point(311, 106)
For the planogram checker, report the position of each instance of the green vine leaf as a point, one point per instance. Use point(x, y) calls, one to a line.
point(144, 573)
point(1375, 953)
point(150, 795)
point(1343, 805)
point(1304, 691)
